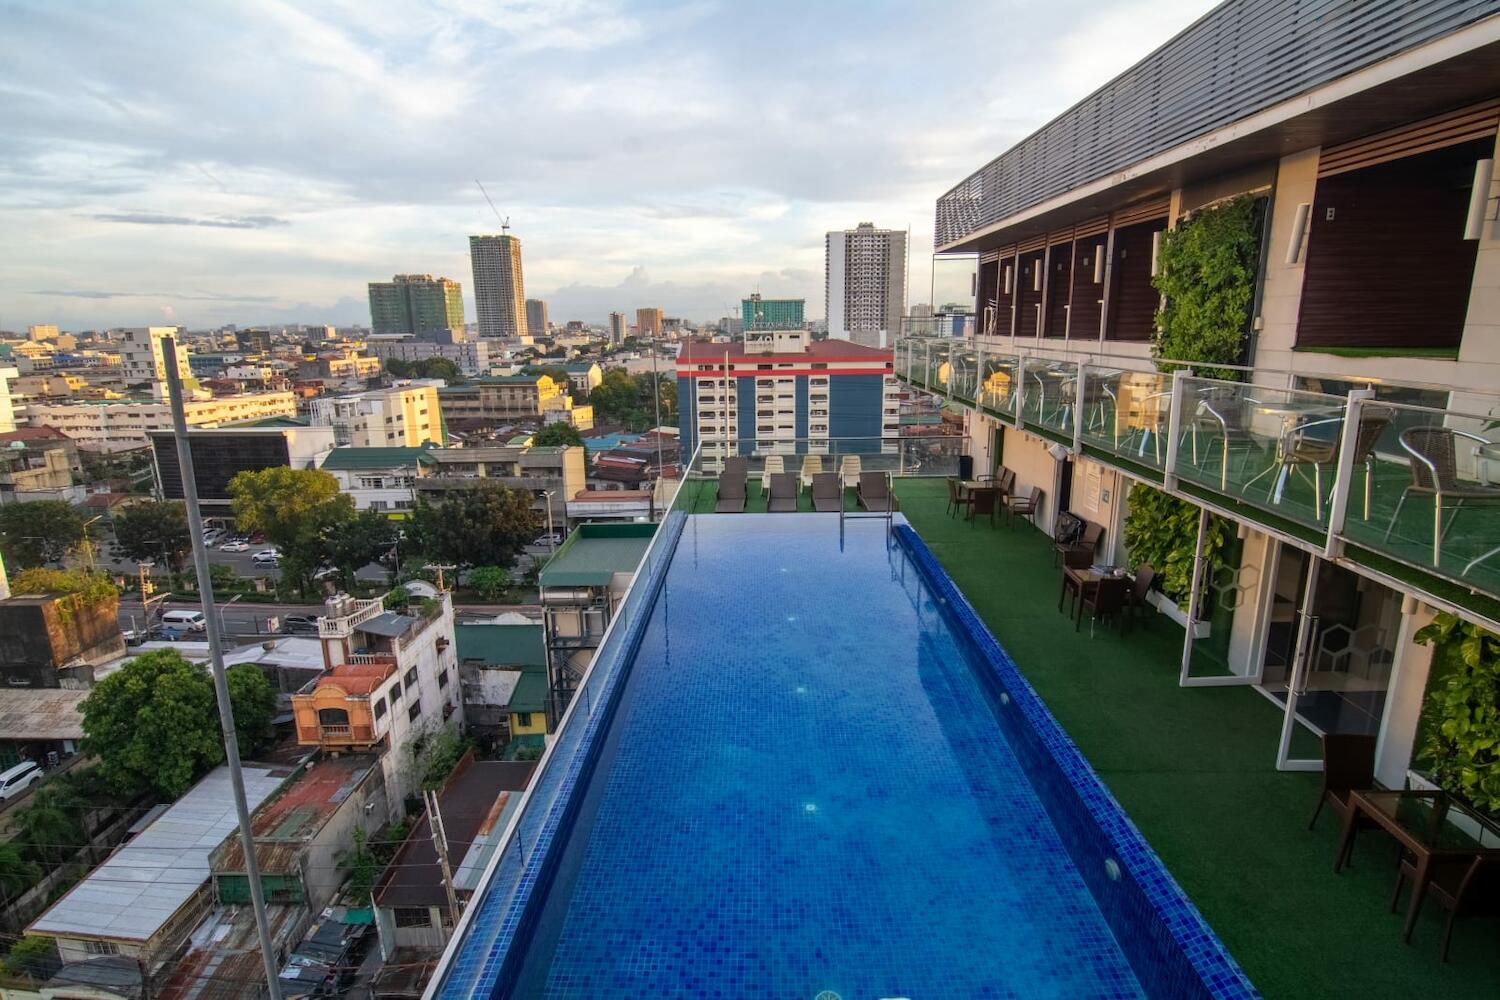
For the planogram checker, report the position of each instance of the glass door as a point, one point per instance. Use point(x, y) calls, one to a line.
point(1340, 646)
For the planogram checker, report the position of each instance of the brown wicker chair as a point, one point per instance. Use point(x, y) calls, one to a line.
point(957, 500)
point(1088, 542)
point(1460, 887)
point(1348, 766)
point(1026, 505)
point(983, 500)
point(1106, 599)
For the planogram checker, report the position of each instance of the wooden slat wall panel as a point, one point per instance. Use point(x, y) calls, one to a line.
point(1240, 58)
point(1093, 227)
point(1156, 208)
point(1005, 300)
point(1083, 316)
point(1035, 243)
point(1059, 288)
point(1133, 299)
point(989, 277)
point(1391, 268)
point(1028, 297)
point(1472, 123)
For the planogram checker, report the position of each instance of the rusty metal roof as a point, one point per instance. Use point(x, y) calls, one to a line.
point(284, 824)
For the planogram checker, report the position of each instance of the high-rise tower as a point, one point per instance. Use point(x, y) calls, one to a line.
point(865, 284)
point(499, 292)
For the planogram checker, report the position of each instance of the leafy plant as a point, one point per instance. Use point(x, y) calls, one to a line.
point(557, 434)
point(33, 956)
point(363, 867)
point(48, 827)
point(39, 532)
point(154, 530)
point(436, 753)
point(17, 872)
point(1462, 724)
point(297, 509)
point(1207, 280)
point(1163, 531)
point(486, 525)
point(490, 582)
point(83, 587)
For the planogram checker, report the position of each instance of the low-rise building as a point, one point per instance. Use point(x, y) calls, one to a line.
point(471, 356)
point(475, 803)
point(39, 463)
point(612, 505)
point(56, 640)
point(392, 679)
point(486, 401)
point(406, 415)
point(144, 901)
point(493, 657)
point(221, 453)
point(121, 424)
point(549, 474)
point(35, 722)
point(383, 479)
point(583, 375)
point(340, 366)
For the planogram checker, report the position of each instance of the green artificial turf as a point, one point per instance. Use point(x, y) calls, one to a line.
point(1195, 769)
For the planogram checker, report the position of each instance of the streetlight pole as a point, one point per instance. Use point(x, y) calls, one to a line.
point(551, 535)
point(216, 661)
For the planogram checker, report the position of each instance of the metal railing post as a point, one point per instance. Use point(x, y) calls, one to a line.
point(1338, 507)
point(1174, 424)
point(1020, 392)
point(978, 373)
point(1192, 608)
point(927, 368)
point(1078, 396)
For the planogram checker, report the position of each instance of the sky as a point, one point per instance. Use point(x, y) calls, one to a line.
point(255, 163)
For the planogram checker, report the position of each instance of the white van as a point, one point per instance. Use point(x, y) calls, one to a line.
point(18, 779)
point(187, 621)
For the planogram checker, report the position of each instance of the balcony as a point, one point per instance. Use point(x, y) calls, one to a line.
point(1402, 480)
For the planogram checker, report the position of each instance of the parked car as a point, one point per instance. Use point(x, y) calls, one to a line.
point(266, 557)
point(135, 636)
point(235, 545)
point(547, 540)
point(19, 778)
point(295, 624)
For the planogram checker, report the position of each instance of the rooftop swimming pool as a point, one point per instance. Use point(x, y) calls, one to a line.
point(816, 776)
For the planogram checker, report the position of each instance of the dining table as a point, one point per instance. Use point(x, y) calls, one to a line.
point(1432, 826)
point(968, 488)
point(1292, 414)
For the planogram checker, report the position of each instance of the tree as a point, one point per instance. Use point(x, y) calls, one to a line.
point(490, 582)
point(438, 367)
point(154, 530)
point(398, 368)
point(296, 509)
point(362, 865)
point(359, 541)
point(48, 825)
point(39, 532)
point(487, 525)
point(153, 725)
point(436, 753)
point(17, 872)
point(559, 433)
point(252, 699)
point(33, 956)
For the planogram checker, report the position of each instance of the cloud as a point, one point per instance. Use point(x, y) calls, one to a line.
point(84, 293)
point(156, 219)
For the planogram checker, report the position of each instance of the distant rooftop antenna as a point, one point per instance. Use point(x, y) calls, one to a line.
point(505, 221)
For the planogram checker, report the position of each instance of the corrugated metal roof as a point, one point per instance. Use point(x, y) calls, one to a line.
point(349, 458)
point(594, 553)
point(519, 645)
point(143, 884)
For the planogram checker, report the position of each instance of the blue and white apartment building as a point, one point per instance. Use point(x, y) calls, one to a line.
point(779, 392)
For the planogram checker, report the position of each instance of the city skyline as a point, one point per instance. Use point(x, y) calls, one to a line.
point(644, 193)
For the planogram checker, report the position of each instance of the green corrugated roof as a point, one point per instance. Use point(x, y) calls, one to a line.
point(502, 645)
point(277, 422)
point(349, 458)
point(594, 553)
point(530, 694)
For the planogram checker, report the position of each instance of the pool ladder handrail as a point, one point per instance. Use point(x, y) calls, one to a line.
point(889, 514)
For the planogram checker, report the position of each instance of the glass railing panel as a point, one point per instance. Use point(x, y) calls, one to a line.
point(1051, 394)
point(939, 367)
point(1125, 413)
point(1276, 449)
point(965, 366)
point(997, 381)
point(1431, 498)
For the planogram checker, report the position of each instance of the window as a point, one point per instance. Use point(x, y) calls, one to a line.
point(379, 708)
point(414, 711)
point(413, 916)
point(443, 679)
point(395, 693)
point(411, 678)
point(523, 720)
point(101, 947)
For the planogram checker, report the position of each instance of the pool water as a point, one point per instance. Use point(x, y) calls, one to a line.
point(805, 791)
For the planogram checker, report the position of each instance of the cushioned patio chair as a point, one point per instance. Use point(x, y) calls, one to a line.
point(731, 495)
point(784, 491)
point(827, 492)
point(874, 492)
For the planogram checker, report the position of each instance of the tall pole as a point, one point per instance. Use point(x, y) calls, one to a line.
point(216, 659)
point(656, 395)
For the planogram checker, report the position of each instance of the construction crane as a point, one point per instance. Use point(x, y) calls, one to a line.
point(505, 221)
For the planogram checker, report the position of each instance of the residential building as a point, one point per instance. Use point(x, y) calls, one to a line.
point(302, 833)
point(580, 588)
point(536, 317)
point(550, 474)
point(471, 356)
point(502, 398)
point(35, 722)
point(649, 323)
point(864, 281)
point(221, 453)
point(619, 327)
point(145, 900)
point(494, 657)
point(636, 465)
point(42, 331)
point(382, 479)
point(143, 359)
point(39, 463)
point(123, 424)
point(757, 313)
point(392, 678)
point(253, 340)
point(612, 505)
point(416, 304)
point(406, 415)
point(583, 375)
point(340, 366)
point(777, 391)
point(499, 289)
point(475, 804)
point(562, 410)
